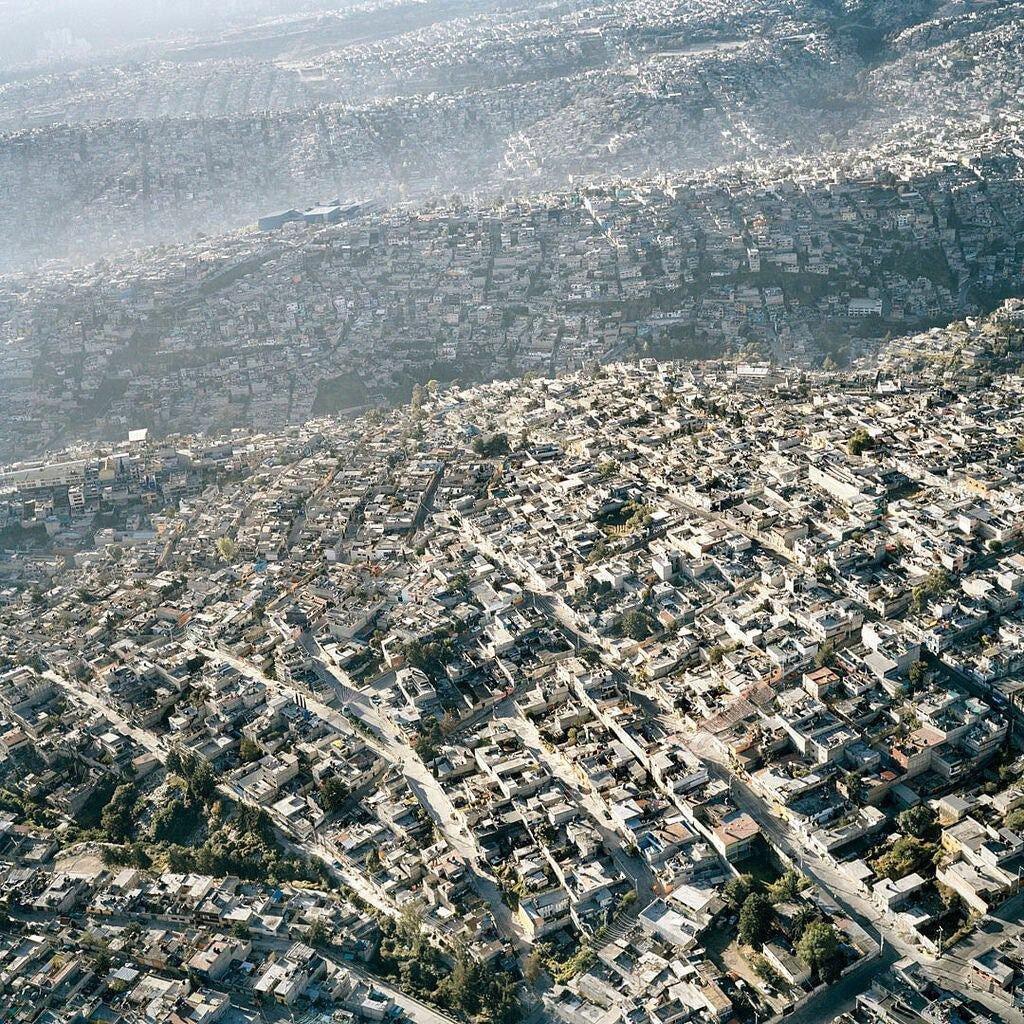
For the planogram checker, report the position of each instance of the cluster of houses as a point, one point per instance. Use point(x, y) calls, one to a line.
point(551, 666)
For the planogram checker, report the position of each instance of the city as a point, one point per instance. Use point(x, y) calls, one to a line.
point(707, 713)
point(512, 513)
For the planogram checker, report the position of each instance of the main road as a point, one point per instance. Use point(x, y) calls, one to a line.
point(889, 944)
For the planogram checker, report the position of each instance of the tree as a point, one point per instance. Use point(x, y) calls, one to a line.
point(496, 444)
point(755, 919)
point(333, 794)
point(935, 584)
point(767, 973)
point(415, 654)
point(917, 821)
point(133, 855)
point(639, 518)
point(803, 918)
point(428, 741)
point(1015, 820)
point(173, 823)
point(787, 887)
point(118, 818)
point(101, 961)
point(819, 948)
point(200, 778)
point(249, 750)
point(739, 888)
point(916, 674)
point(634, 625)
point(825, 654)
point(410, 925)
point(319, 934)
point(533, 966)
point(462, 986)
point(860, 441)
point(907, 855)
point(226, 548)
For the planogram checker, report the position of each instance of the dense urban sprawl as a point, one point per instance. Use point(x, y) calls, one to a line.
point(656, 691)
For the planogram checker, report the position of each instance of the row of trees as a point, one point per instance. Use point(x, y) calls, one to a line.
point(816, 941)
point(458, 983)
point(490, 447)
point(916, 849)
point(934, 585)
point(196, 830)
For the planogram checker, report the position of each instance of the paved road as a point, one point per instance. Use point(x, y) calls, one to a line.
point(79, 693)
point(390, 744)
point(848, 902)
point(635, 869)
point(842, 996)
point(414, 1009)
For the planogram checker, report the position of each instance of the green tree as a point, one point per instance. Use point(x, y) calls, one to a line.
point(489, 447)
point(202, 782)
point(462, 987)
point(533, 966)
point(410, 924)
point(767, 973)
point(786, 887)
point(1015, 820)
point(249, 750)
point(428, 740)
point(860, 441)
point(755, 919)
point(825, 654)
point(332, 794)
point(916, 675)
point(739, 888)
point(226, 548)
point(101, 961)
point(804, 917)
point(118, 818)
point(635, 625)
point(819, 948)
point(907, 855)
point(319, 934)
point(174, 822)
point(917, 821)
point(935, 584)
